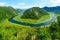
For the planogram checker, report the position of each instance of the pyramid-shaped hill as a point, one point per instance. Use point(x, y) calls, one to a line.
point(34, 13)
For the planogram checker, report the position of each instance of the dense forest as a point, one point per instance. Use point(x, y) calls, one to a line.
point(11, 31)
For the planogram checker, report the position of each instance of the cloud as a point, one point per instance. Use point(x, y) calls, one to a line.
point(21, 3)
point(55, 2)
point(42, 5)
point(24, 6)
point(2, 3)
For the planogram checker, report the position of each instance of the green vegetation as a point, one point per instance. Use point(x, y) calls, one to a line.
point(33, 21)
point(12, 31)
point(34, 13)
point(55, 29)
point(19, 32)
point(57, 14)
point(7, 12)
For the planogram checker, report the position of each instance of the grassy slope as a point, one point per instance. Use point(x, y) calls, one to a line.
point(33, 21)
point(57, 15)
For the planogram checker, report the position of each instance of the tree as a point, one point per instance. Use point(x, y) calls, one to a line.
point(54, 30)
point(58, 20)
point(43, 34)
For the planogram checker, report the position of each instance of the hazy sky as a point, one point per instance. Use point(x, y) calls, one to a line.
point(29, 3)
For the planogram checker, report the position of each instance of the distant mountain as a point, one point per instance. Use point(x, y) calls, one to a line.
point(52, 9)
point(34, 13)
point(20, 10)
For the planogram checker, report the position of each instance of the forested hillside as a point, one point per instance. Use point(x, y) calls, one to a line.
point(7, 12)
point(52, 9)
point(34, 13)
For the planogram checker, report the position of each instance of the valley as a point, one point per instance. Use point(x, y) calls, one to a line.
point(40, 27)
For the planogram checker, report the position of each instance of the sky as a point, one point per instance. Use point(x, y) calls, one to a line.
point(23, 4)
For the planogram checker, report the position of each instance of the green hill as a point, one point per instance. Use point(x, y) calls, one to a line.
point(34, 13)
point(7, 12)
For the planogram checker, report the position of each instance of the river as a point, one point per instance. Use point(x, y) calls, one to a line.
point(52, 18)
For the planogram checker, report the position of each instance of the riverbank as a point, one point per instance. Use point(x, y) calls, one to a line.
point(33, 21)
point(52, 18)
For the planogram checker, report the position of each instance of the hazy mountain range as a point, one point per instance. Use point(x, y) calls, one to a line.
point(49, 9)
point(52, 9)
